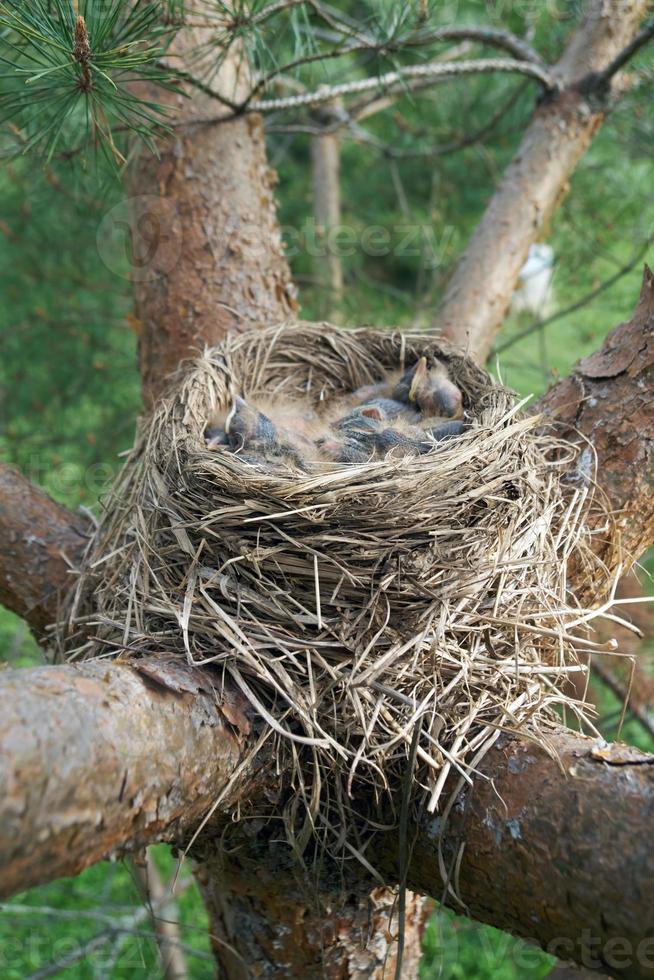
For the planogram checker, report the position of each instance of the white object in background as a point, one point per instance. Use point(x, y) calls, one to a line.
point(534, 291)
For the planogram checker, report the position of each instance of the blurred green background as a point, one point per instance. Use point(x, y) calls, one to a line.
point(69, 390)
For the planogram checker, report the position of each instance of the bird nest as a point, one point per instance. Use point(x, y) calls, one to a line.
point(404, 610)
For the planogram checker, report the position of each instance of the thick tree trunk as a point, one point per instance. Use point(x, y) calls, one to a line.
point(479, 292)
point(209, 247)
point(263, 913)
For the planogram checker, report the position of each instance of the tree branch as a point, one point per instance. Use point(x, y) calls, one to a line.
point(434, 71)
point(552, 851)
point(100, 758)
point(642, 38)
point(607, 402)
point(493, 36)
point(41, 541)
point(479, 292)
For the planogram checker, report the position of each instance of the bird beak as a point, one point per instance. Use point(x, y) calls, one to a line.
point(419, 376)
point(237, 404)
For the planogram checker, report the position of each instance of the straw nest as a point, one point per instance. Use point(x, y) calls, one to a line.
point(403, 610)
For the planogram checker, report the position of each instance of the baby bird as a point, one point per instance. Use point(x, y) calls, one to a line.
point(247, 427)
point(431, 390)
point(363, 417)
point(366, 393)
point(389, 408)
point(402, 390)
point(350, 447)
point(348, 442)
point(390, 440)
point(377, 410)
point(434, 392)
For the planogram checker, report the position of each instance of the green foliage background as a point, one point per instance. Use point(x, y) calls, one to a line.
point(69, 391)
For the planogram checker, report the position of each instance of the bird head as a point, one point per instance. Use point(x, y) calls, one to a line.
point(245, 425)
point(434, 392)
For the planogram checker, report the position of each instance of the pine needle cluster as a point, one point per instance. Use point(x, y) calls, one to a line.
point(69, 71)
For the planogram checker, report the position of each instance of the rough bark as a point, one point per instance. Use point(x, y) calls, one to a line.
point(99, 758)
point(607, 402)
point(550, 849)
point(266, 915)
point(210, 253)
point(563, 126)
point(41, 542)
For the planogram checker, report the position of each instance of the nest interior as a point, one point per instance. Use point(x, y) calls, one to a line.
point(402, 611)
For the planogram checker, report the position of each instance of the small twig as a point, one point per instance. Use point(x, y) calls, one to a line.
point(275, 8)
point(617, 688)
point(404, 845)
point(495, 37)
point(116, 927)
point(58, 966)
point(189, 78)
point(483, 35)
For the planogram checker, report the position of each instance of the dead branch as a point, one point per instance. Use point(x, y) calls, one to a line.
point(162, 907)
